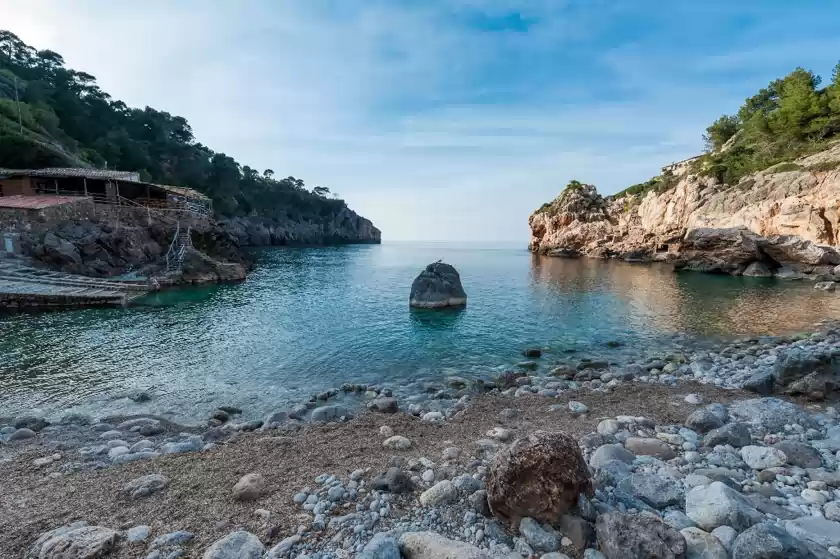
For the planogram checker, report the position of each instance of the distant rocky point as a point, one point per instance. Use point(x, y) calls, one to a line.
point(782, 221)
point(437, 286)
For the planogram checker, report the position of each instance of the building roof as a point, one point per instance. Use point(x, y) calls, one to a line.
point(182, 191)
point(100, 174)
point(37, 202)
point(70, 172)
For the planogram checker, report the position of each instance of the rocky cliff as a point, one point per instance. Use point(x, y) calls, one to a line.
point(107, 245)
point(784, 221)
point(343, 227)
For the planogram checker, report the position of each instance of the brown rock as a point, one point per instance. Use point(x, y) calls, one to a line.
point(539, 476)
point(249, 488)
point(649, 447)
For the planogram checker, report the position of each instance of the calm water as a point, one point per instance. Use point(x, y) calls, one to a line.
point(311, 319)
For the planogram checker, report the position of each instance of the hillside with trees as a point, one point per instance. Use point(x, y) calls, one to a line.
point(791, 117)
point(54, 116)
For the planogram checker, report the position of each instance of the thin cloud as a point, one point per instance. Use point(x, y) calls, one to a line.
point(442, 119)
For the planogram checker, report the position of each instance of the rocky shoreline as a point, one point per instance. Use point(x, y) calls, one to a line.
point(709, 470)
point(780, 222)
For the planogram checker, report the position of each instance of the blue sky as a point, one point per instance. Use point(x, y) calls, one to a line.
point(440, 120)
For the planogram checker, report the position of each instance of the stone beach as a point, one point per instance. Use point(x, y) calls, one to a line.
point(731, 452)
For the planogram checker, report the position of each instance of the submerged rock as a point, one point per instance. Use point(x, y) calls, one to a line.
point(438, 286)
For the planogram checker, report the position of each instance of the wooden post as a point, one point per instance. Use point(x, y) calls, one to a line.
point(56, 185)
point(85, 181)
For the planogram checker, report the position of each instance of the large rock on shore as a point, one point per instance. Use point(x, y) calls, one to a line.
point(539, 476)
point(75, 541)
point(814, 375)
point(437, 286)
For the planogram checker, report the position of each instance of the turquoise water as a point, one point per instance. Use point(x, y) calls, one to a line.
point(311, 319)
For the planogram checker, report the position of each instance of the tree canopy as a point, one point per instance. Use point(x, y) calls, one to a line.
point(791, 117)
point(51, 115)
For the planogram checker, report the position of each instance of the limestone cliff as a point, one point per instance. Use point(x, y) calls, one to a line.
point(117, 241)
point(786, 218)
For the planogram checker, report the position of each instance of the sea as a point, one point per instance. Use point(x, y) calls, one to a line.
point(311, 319)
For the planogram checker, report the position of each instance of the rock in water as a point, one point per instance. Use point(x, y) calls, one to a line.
point(428, 545)
point(75, 541)
point(636, 536)
point(539, 476)
point(236, 545)
point(438, 286)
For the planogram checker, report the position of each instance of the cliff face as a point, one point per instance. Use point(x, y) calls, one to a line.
point(344, 227)
point(787, 218)
point(107, 245)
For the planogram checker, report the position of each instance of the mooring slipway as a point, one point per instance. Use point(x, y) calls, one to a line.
point(23, 286)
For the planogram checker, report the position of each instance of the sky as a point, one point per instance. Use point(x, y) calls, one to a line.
point(440, 119)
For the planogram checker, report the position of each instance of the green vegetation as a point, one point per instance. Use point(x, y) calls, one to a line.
point(825, 166)
point(573, 186)
point(53, 116)
point(786, 167)
point(657, 184)
point(789, 118)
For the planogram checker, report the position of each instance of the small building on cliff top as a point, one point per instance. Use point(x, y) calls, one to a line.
point(101, 187)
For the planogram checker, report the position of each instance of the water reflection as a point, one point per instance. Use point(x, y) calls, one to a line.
point(446, 319)
point(704, 304)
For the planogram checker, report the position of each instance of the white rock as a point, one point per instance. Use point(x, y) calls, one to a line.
point(726, 535)
point(716, 505)
point(609, 427)
point(397, 442)
point(428, 476)
point(814, 497)
point(577, 407)
point(386, 431)
point(428, 545)
point(138, 534)
point(249, 487)
point(763, 457)
point(117, 451)
point(237, 545)
point(703, 545)
point(500, 434)
point(693, 399)
point(433, 416)
point(443, 492)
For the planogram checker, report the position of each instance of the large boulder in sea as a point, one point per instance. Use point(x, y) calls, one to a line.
point(437, 286)
point(539, 476)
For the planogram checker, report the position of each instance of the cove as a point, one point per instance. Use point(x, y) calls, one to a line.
point(309, 319)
